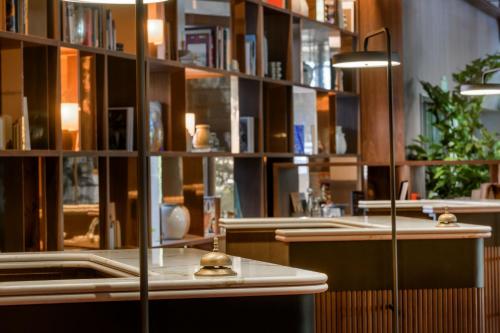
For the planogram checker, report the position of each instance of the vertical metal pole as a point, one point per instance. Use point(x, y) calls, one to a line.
point(142, 163)
point(392, 176)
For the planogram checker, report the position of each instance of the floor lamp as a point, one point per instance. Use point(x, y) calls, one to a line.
point(374, 59)
point(142, 145)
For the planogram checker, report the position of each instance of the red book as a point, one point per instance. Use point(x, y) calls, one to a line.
point(277, 3)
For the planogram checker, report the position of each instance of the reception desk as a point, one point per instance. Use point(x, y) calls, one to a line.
point(478, 212)
point(440, 269)
point(98, 291)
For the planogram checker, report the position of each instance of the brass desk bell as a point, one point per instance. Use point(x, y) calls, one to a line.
point(215, 263)
point(447, 219)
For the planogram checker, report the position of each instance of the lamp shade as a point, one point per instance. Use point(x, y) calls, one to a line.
point(114, 2)
point(70, 117)
point(155, 31)
point(364, 59)
point(483, 89)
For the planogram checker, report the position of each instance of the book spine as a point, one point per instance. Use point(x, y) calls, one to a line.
point(10, 12)
point(87, 23)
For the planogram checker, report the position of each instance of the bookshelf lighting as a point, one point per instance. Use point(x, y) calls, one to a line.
point(70, 124)
point(155, 31)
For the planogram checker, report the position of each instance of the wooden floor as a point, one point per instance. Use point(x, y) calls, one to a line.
point(421, 310)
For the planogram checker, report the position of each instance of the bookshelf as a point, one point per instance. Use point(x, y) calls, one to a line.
point(74, 87)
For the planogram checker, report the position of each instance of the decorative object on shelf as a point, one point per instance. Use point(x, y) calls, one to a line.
point(175, 221)
point(447, 219)
point(301, 7)
point(190, 123)
point(340, 141)
point(339, 79)
point(299, 139)
point(247, 134)
point(330, 11)
point(388, 59)
point(79, 22)
point(121, 128)
point(214, 141)
point(215, 263)
point(70, 124)
point(307, 73)
point(235, 66)
point(276, 70)
point(277, 3)
point(156, 134)
point(201, 138)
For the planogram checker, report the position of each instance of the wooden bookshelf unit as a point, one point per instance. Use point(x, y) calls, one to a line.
point(66, 85)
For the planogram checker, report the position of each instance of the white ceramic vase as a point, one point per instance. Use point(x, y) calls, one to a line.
point(340, 142)
point(175, 221)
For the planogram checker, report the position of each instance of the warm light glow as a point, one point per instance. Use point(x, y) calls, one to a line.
point(70, 117)
point(115, 2)
point(366, 64)
point(155, 31)
point(482, 89)
point(481, 92)
point(190, 123)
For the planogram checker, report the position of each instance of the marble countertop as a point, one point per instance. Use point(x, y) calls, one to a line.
point(431, 206)
point(288, 222)
point(379, 228)
point(171, 276)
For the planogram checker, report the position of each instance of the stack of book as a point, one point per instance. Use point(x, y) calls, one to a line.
point(209, 46)
point(82, 24)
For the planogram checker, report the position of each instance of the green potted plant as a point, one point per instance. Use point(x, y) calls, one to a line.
point(460, 135)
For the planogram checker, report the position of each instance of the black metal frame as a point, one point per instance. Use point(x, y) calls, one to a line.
point(392, 174)
point(143, 161)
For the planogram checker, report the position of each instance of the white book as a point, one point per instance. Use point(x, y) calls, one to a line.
point(25, 126)
point(235, 116)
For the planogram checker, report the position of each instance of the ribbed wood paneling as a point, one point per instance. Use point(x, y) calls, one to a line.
point(421, 310)
point(492, 288)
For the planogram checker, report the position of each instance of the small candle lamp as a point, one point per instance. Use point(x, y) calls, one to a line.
point(70, 124)
point(156, 36)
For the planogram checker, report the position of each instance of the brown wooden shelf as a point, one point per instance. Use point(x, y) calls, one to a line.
point(29, 153)
point(486, 7)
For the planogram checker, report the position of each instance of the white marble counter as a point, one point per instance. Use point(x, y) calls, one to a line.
point(171, 276)
point(435, 205)
point(379, 228)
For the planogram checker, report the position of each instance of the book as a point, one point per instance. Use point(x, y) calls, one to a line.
point(277, 3)
point(25, 127)
point(299, 139)
point(251, 54)
point(199, 42)
point(155, 126)
point(209, 47)
point(11, 15)
point(121, 128)
point(247, 135)
point(81, 24)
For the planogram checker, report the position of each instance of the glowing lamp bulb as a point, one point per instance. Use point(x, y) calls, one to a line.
point(155, 31)
point(70, 120)
point(190, 123)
